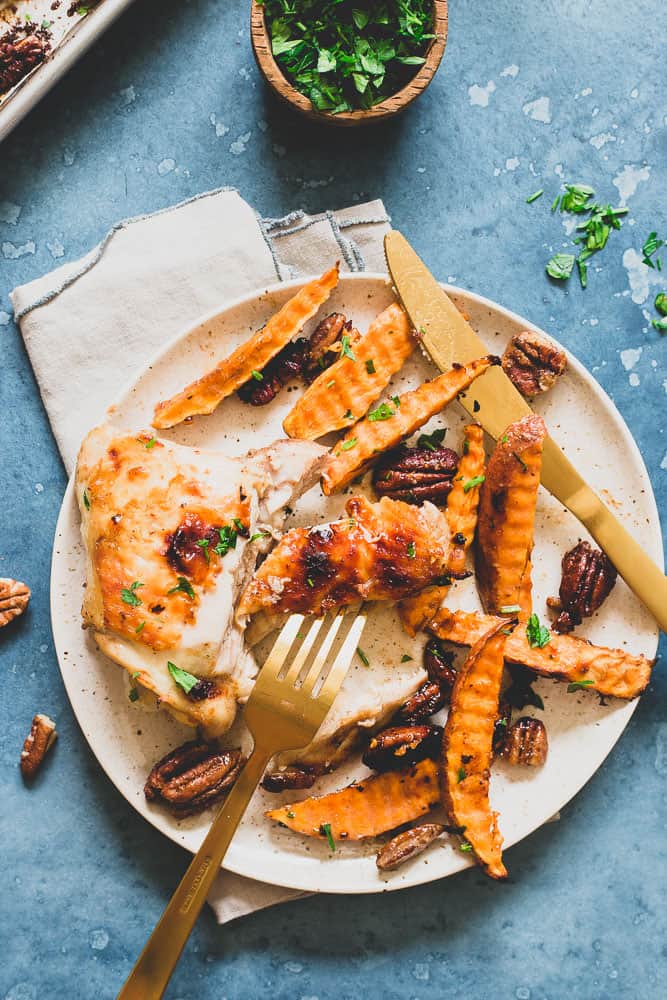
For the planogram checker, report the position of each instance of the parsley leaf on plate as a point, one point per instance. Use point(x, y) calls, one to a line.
point(184, 680)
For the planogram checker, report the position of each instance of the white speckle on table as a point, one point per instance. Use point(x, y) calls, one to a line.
point(55, 248)
point(294, 967)
point(239, 145)
point(663, 464)
point(600, 140)
point(421, 971)
point(43, 648)
point(595, 112)
point(634, 93)
point(99, 939)
point(558, 170)
point(39, 488)
point(128, 95)
point(512, 71)
point(9, 212)
point(634, 380)
point(522, 993)
point(262, 125)
point(539, 110)
point(594, 321)
point(69, 156)
point(661, 737)
point(640, 276)
point(664, 384)
point(5, 318)
point(630, 357)
point(244, 73)
point(497, 172)
point(166, 166)
point(629, 179)
point(512, 163)
point(479, 96)
point(220, 127)
point(278, 150)
point(12, 252)
point(586, 92)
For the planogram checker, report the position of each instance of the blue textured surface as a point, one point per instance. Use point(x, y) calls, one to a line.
point(130, 130)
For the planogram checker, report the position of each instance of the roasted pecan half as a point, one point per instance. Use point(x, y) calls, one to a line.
point(439, 664)
point(424, 703)
point(192, 777)
point(587, 579)
point(402, 746)
point(416, 474)
point(290, 778)
point(407, 845)
point(14, 597)
point(520, 691)
point(264, 386)
point(526, 742)
point(37, 744)
point(326, 333)
point(533, 363)
point(18, 55)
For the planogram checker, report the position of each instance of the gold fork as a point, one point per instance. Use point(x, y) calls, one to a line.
point(284, 712)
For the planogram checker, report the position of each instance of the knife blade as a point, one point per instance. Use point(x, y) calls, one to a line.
point(494, 402)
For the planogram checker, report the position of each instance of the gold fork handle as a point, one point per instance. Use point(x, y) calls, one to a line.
point(152, 971)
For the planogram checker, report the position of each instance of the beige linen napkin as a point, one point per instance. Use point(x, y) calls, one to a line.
point(92, 325)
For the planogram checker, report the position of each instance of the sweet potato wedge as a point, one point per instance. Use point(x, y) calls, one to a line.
point(204, 395)
point(467, 748)
point(365, 808)
point(613, 672)
point(506, 517)
point(350, 385)
point(389, 423)
point(462, 502)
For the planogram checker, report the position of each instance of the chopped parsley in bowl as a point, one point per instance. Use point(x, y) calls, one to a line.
point(349, 55)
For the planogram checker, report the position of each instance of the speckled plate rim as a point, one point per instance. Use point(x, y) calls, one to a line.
point(267, 869)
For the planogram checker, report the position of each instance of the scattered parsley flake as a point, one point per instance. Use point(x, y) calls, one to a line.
point(465, 846)
point(346, 445)
point(148, 445)
point(362, 656)
point(535, 196)
point(578, 685)
point(289, 814)
point(659, 324)
point(183, 586)
point(331, 384)
point(651, 246)
point(471, 483)
point(325, 830)
point(258, 377)
point(203, 544)
point(184, 680)
point(139, 629)
point(86, 500)
point(370, 367)
point(509, 609)
point(259, 534)
point(310, 581)
point(406, 658)
point(661, 303)
point(345, 349)
point(349, 415)
point(504, 439)
point(411, 550)
point(129, 596)
point(461, 776)
point(538, 635)
point(228, 536)
point(382, 412)
point(432, 441)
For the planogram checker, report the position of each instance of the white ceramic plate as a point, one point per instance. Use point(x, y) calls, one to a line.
point(127, 739)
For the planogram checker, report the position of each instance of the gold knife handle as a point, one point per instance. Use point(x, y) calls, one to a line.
point(640, 573)
point(152, 971)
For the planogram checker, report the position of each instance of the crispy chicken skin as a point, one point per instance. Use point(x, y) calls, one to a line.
point(381, 551)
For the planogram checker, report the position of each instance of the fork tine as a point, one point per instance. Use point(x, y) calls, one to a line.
point(322, 654)
point(280, 649)
point(304, 650)
point(341, 664)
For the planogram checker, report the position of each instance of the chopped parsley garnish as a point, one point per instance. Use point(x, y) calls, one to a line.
point(382, 412)
point(310, 581)
point(471, 483)
point(346, 445)
point(576, 198)
point(465, 846)
point(432, 441)
point(140, 627)
point(325, 830)
point(260, 534)
point(651, 246)
point(348, 415)
point(345, 349)
point(344, 56)
point(128, 595)
point(406, 658)
point(396, 400)
point(370, 367)
point(86, 500)
point(184, 680)
point(183, 586)
point(578, 685)
point(411, 550)
point(362, 656)
point(331, 384)
point(228, 536)
point(504, 439)
point(509, 609)
point(133, 694)
point(560, 266)
point(659, 324)
point(258, 377)
point(203, 544)
point(150, 444)
point(135, 674)
point(289, 814)
point(538, 635)
point(461, 776)
point(661, 303)
point(535, 196)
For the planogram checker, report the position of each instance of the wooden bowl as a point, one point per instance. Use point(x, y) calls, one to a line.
point(261, 44)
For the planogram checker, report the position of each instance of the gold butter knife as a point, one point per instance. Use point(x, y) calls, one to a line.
point(495, 403)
